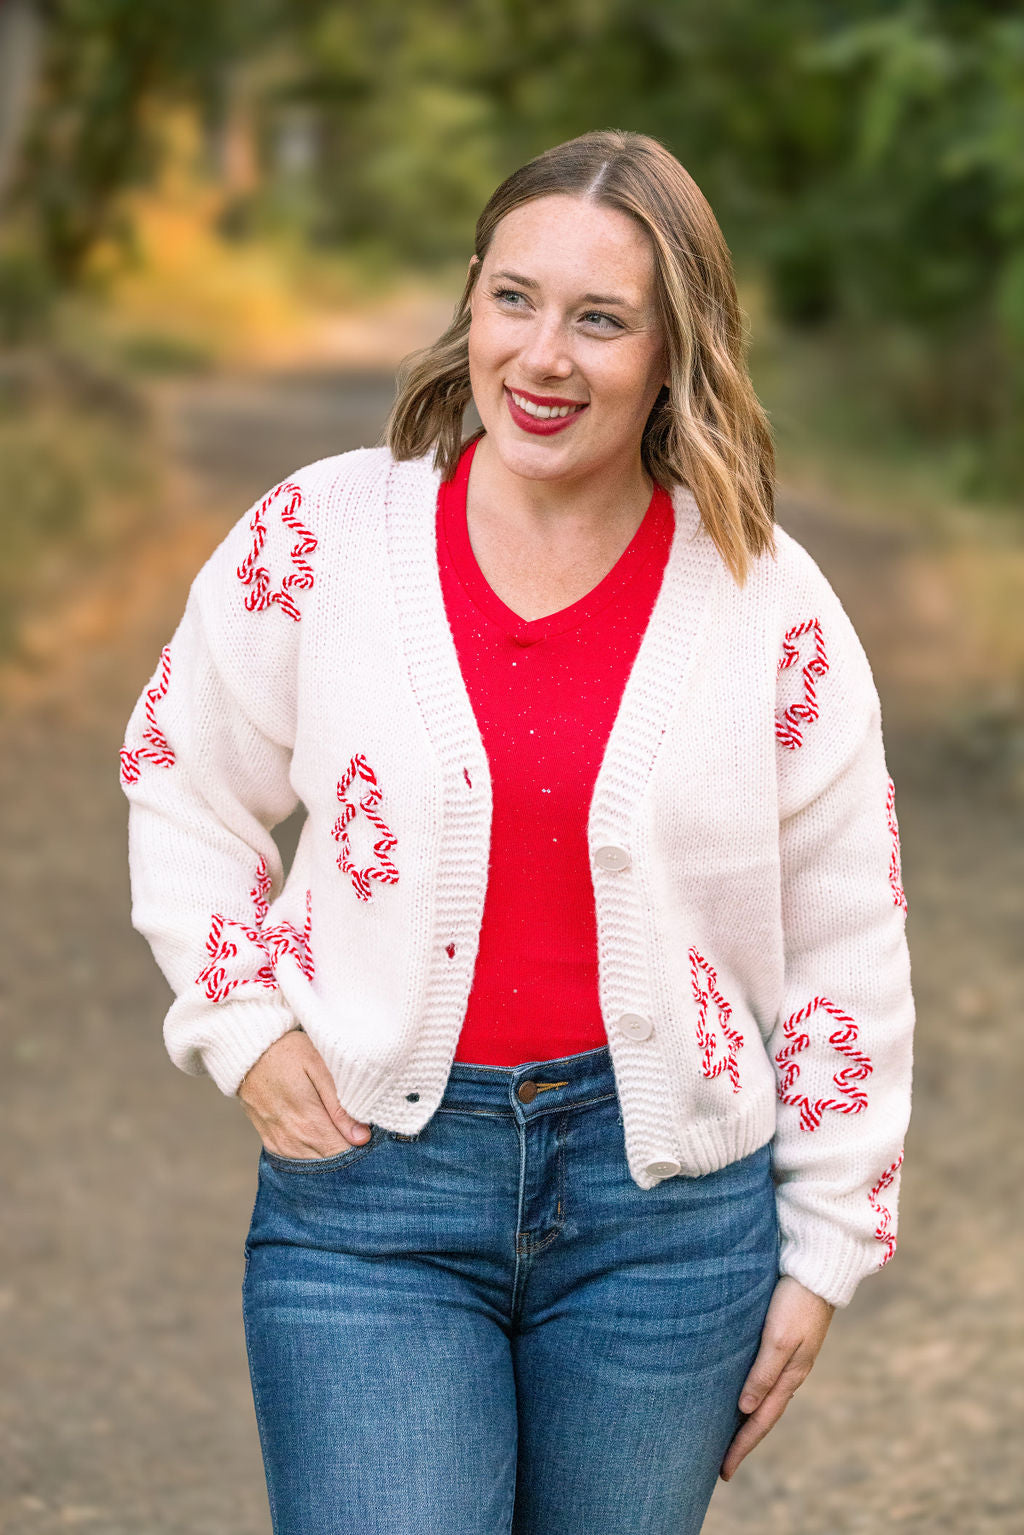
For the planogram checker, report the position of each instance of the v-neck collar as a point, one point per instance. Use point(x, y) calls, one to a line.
point(655, 525)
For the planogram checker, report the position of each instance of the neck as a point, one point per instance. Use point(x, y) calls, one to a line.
point(616, 494)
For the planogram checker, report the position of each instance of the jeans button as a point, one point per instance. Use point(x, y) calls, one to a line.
point(526, 1092)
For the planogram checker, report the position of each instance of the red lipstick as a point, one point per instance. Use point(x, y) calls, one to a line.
point(549, 424)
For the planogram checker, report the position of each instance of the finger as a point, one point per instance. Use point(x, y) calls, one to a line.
point(759, 1423)
point(352, 1129)
point(772, 1358)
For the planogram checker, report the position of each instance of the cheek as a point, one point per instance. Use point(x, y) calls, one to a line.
point(486, 346)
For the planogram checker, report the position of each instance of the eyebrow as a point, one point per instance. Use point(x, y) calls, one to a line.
point(607, 299)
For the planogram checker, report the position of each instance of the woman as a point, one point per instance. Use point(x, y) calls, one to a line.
point(578, 1038)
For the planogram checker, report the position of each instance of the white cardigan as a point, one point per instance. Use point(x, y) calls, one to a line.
point(753, 970)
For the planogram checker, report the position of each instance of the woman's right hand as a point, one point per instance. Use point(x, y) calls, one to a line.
point(290, 1097)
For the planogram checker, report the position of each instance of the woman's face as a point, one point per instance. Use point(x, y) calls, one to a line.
point(563, 315)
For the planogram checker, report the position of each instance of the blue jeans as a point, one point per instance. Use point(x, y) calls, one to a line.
point(490, 1328)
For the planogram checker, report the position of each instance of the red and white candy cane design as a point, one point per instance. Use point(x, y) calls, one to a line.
point(260, 891)
point(257, 577)
point(805, 712)
point(154, 746)
point(228, 941)
point(843, 1039)
point(285, 938)
point(719, 1049)
point(884, 1231)
point(222, 945)
point(895, 863)
point(384, 870)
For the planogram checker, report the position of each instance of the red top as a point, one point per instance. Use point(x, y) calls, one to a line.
point(545, 694)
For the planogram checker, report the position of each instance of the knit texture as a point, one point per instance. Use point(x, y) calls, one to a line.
point(753, 970)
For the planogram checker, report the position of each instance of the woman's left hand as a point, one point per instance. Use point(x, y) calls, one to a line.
point(794, 1330)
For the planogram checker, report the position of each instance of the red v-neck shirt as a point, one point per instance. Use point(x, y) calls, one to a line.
point(545, 694)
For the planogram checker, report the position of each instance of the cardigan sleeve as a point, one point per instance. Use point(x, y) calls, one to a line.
point(206, 770)
point(842, 1043)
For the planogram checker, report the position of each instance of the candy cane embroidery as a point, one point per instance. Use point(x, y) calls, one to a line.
point(154, 746)
point(895, 862)
point(384, 869)
point(257, 577)
point(251, 950)
point(285, 938)
point(788, 721)
point(719, 1049)
point(883, 1231)
point(852, 1098)
point(231, 941)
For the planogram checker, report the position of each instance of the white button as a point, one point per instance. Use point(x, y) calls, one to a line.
point(662, 1169)
point(613, 858)
point(635, 1027)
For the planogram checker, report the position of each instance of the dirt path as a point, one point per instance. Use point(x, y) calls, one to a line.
point(124, 1400)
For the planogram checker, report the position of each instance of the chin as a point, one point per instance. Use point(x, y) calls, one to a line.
point(541, 458)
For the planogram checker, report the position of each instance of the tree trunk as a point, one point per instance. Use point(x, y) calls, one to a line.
point(20, 38)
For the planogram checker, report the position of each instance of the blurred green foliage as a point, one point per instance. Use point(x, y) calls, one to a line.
point(864, 158)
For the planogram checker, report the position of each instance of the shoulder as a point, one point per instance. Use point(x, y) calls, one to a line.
point(360, 472)
point(826, 700)
point(797, 592)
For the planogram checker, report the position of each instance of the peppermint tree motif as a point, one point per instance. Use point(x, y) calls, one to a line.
point(247, 954)
point(718, 1043)
point(285, 938)
point(368, 802)
point(238, 957)
point(895, 863)
point(848, 1097)
point(788, 721)
point(264, 589)
point(884, 1231)
point(154, 747)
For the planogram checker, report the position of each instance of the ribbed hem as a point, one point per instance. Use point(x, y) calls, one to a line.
point(710, 1144)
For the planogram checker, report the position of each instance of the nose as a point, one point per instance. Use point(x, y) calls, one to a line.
point(546, 352)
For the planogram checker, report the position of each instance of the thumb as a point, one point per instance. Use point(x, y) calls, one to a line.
point(351, 1129)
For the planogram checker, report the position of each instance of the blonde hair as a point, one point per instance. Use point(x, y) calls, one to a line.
point(708, 430)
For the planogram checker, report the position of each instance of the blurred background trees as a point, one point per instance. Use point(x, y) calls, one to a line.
point(864, 159)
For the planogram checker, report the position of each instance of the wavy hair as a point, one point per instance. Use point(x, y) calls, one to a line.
point(708, 430)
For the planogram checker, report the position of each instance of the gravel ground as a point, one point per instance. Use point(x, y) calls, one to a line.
point(124, 1397)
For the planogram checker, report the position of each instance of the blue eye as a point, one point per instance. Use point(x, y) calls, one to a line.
point(504, 294)
point(594, 315)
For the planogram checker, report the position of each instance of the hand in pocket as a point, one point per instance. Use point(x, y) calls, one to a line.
point(289, 1096)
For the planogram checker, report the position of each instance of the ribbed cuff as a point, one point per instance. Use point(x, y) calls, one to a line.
point(827, 1263)
point(224, 1039)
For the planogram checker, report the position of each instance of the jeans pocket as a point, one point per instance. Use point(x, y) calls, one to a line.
point(318, 1165)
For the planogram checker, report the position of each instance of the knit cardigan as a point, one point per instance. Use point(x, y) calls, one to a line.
point(753, 969)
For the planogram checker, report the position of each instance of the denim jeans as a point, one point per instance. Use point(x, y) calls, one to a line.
point(490, 1328)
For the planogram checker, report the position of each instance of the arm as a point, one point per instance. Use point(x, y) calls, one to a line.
point(205, 767)
point(842, 1042)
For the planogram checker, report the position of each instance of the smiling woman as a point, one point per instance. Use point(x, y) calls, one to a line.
point(578, 1037)
point(602, 264)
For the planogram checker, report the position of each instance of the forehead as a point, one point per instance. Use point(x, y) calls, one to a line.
point(565, 242)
